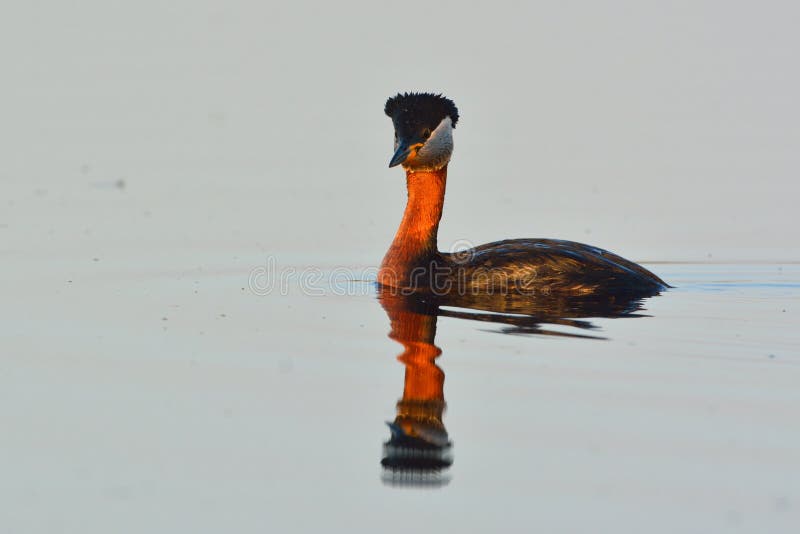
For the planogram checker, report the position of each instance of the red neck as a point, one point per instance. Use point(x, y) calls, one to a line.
point(415, 241)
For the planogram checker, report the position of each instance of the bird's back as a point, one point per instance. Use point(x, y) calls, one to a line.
point(551, 266)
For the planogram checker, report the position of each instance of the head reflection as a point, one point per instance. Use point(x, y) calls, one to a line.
point(419, 451)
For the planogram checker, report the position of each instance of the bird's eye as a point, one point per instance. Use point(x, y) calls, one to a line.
point(426, 133)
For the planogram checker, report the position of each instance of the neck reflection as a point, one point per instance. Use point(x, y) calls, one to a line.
point(419, 451)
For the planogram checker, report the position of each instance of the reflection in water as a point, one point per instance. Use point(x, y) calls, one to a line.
point(419, 451)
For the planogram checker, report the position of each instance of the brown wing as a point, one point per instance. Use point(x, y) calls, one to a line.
point(553, 266)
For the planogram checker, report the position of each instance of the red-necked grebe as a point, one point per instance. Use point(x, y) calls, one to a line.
point(423, 128)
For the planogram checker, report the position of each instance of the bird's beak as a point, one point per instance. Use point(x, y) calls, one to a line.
point(401, 154)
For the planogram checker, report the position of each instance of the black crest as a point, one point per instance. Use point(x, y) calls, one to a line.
point(411, 112)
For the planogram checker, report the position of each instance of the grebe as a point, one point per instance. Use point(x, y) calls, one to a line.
point(423, 130)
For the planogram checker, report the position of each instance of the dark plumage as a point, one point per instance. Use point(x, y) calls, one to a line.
point(545, 266)
point(412, 113)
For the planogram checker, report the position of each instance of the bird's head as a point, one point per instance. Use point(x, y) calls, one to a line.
point(423, 130)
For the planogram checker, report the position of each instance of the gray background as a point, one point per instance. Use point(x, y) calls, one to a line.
point(659, 130)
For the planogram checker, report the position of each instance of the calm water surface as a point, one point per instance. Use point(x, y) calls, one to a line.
point(154, 157)
point(185, 401)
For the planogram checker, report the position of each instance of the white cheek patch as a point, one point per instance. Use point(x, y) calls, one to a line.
point(436, 151)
